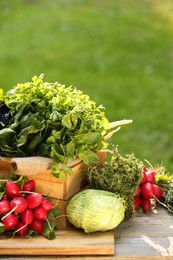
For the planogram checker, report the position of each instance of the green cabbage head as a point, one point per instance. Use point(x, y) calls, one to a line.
point(95, 210)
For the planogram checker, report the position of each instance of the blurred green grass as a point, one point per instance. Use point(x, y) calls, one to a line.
point(118, 52)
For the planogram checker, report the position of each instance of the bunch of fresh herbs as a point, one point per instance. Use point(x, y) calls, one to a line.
point(48, 119)
point(120, 175)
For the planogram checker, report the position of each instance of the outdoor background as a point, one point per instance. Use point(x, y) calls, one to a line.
point(120, 53)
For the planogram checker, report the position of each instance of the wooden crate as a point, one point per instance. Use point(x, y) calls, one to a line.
point(38, 168)
point(48, 185)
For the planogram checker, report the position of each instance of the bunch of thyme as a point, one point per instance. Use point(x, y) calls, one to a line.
point(120, 175)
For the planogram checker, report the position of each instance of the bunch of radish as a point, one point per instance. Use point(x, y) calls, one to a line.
point(23, 210)
point(147, 191)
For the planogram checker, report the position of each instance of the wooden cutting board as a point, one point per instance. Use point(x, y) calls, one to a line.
point(67, 242)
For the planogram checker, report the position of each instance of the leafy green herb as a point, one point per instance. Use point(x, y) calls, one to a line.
point(48, 119)
point(61, 173)
point(50, 225)
point(49, 233)
point(169, 196)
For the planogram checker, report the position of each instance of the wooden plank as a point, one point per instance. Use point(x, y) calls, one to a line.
point(154, 225)
point(143, 246)
point(146, 235)
point(67, 242)
point(87, 258)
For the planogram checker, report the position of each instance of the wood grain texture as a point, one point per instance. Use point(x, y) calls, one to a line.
point(87, 258)
point(67, 242)
point(146, 235)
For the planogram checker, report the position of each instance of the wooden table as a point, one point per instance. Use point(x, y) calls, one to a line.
point(148, 237)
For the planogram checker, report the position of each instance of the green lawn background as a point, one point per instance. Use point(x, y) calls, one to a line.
point(120, 53)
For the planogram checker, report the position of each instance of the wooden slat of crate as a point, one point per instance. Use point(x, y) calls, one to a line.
point(62, 220)
point(51, 186)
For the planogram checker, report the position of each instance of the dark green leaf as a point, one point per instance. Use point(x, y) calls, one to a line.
point(2, 228)
point(1, 194)
point(32, 233)
point(54, 213)
point(49, 234)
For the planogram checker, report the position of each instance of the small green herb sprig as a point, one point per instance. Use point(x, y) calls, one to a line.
point(165, 180)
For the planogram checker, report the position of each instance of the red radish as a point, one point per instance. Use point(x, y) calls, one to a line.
point(150, 175)
point(4, 206)
point(18, 204)
point(10, 221)
point(38, 226)
point(29, 186)
point(34, 200)
point(147, 190)
point(27, 216)
point(22, 229)
point(146, 205)
point(12, 189)
point(138, 191)
point(40, 213)
point(144, 168)
point(144, 179)
point(137, 203)
point(4, 197)
point(158, 191)
point(47, 205)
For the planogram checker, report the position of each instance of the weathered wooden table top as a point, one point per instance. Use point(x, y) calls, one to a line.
point(142, 237)
point(146, 235)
